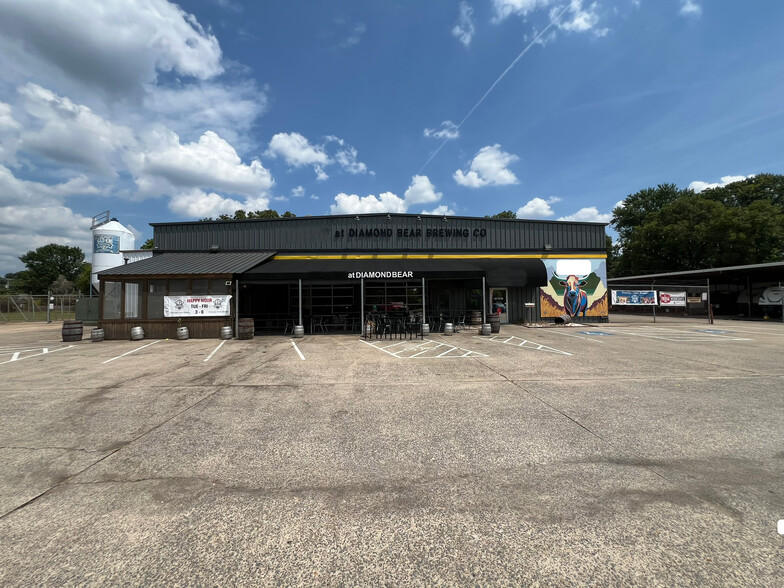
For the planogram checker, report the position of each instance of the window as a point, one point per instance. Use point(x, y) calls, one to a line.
point(111, 299)
point(156, 290)
point(178, 287)
point(200, 286)
point(133, 300)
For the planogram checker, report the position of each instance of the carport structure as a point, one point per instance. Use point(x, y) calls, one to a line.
point(732, 291)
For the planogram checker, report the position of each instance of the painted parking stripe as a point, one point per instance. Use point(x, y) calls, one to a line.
point(17, 358)
point(132, 351)
point(581, 337)
point(520, 342)
point(214, 351)
point(302, 357)
point(424, 350)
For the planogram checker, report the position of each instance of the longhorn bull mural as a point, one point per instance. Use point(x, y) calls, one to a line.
point(575, 300)
point(576, 287)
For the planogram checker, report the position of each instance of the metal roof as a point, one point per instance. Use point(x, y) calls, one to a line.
point(191, 263)
point(758, 269)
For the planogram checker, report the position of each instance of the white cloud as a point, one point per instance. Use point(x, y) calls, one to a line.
point(355, 35)
point(353, 204)
point(464, 30)
point(297, 151)
point(421, 191)
point(14, 191)
point(209, 163)
point(229, 109)
point(589, 214)
point(489, 167)
point(347, 159)
point(506, 8)
point(690, 8)
point(699, 186)
point(71, 133)
point(199, 204)
point(448, 130)
point(537, 208)
point(115, 45)
point(297, 192)
point(442, 210)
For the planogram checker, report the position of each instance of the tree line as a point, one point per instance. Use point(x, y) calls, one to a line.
point(660, 229)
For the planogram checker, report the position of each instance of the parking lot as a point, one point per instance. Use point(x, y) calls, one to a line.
point(615, 454)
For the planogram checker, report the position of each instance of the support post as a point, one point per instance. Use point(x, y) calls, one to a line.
point(748, 289)
point(710, 308)
point(484, 303)
point(48, 306)
point(300, 303)
point(424, 314)
point(362, 307)
point(781, 293)
point(236, 308)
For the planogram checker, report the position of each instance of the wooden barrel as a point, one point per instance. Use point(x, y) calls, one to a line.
point(72, 330)
point(495, 323)
point(96, 335)
point(476, 317)
point(245, 329)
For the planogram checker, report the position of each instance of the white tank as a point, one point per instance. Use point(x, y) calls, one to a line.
point(109, 240)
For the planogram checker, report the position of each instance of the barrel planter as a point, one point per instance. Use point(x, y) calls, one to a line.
point(449, 329)
point(245, 329)
point(495, 323)
point(182, 333)
point(137, 334)
point(226, 333)
point(97, 335)
point(72, 331)
point(476, 317)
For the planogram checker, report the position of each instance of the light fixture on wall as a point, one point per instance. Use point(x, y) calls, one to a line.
point(419, 218)
point(444, 219)
point(214, 248)
point(389, 216)
point(548, 247)
point(356, 217)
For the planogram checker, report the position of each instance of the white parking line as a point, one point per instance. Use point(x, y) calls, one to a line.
point(214, 351)
point(16, 357)
point(425, 350)
point(583, 337)
point(527, 344)
point(132, 351)
point(302, 357)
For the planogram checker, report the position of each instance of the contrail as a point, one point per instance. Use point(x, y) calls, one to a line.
point(495, 83)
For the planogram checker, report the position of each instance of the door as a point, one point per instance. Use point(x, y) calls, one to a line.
point(499, 303)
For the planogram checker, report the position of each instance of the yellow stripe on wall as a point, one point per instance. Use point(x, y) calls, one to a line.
point(448, 256)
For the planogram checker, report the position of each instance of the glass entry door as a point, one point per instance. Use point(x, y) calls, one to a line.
point(498, 303)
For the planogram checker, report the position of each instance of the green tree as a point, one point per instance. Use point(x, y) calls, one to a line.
point(148, 244)
point(45, 264)
point(82, 281)
point(243, 215)
point(504, 214)
point(667, 229)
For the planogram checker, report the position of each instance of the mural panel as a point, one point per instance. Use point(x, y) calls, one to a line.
point(575, 287)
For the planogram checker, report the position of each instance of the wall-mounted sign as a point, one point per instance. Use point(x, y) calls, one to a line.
point(672, 298)
point(413, 233)
point(196, 305)
point(379, 275)
point(106, 244)
point(693, 299)
point(634, 297)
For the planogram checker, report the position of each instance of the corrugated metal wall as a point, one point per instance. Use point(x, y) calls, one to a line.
point(398, 233)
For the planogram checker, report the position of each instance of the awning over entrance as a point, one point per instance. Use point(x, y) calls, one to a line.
point(502, 272)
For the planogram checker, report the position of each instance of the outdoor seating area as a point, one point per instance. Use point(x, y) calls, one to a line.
point(393, 326)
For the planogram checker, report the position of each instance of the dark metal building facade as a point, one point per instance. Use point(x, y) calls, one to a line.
point(353, 264)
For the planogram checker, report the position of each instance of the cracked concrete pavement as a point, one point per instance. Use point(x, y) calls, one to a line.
point(632, 461)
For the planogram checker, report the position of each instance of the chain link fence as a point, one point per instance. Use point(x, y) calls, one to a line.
point(24, 307)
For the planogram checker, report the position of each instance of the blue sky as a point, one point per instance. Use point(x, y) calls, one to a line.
point(164, 112)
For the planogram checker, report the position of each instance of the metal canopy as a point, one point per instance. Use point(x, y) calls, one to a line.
point(190, 264)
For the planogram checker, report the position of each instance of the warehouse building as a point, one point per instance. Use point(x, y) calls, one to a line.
point(330, 273)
